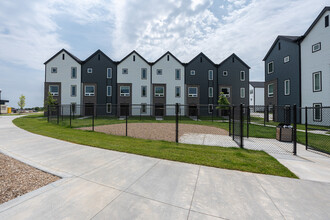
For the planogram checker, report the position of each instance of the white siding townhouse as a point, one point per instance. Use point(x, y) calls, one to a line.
point(168, 85)
point(133, 83)
point(63, 79)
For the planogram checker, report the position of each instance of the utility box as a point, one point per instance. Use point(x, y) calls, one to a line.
point(9, 110)
point(284, 133)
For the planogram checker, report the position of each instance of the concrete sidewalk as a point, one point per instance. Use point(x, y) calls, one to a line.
point(103, 184)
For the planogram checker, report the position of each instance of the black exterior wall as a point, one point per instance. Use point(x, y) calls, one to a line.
point(202, 64)
point(99, 62)
point(234, 65)
point(284, 71)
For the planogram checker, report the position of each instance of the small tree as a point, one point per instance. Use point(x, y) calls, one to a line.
point(50, 101)
point(21, 102)
point(223, 103)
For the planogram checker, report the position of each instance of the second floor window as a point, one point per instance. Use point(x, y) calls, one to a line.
point(287, 87)
point(210, 73)
point(125, 91)
point(317, 82)
point(270, 67)
point(192, 92)
point(242, 93)
point(53, 90)
point(143, 73)
point(73, 72)
point(242, 75)
point(109, 90)
point(159, 91)
point(177, 74)
point(225, 91)
point(210, 92)
point(73, 90)
point(270, 90)
point(89, 90)
point(109, 73)
point(177, 91)
point(316, 47)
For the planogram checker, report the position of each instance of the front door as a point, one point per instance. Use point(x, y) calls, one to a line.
point(124, 108)
point(159, 110)
point(193, 110)
point(89, 109)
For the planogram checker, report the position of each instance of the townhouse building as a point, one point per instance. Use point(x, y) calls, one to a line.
point(63, 80)
point(134, 85)
point(99, 85)
point(168, 84)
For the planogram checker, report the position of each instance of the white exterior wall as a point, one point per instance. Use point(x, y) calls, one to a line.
point(314, 62)
point(63, 76)
point(259, 96)
point(134, 77)
point(251, 95)
point(168, 78)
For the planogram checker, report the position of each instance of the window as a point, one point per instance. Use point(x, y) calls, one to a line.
point(159, 71)
point(53, 90)
point(192, 72)
point(53, 70)
point(63, 56)
point(143, 108)
point(143, 73)
point(210, 74)
point(177, 74)
point(233, 59)
point(133, 57)
point(279, 45)
point(159, 91)
point(242, 75)
point(270, 67)
point(73, 90)
point(108, 107)
point(287, 87)
point(168, 57)
point(143, 91)
point(109, 90)
point(192, 92)
point(124, 91)
point(270, 90)
point(210, 108)
point(326, 21)
point(125, 71)
point(225, 73)
point(177, 91)
point(210, 92)
point(201, 59)
point(109, 73)
point(89, 90)
point(89, 70)
point(317, 82)
point(242, 93)
point(226, 91)
point(317, 112)
point(73, 72)
point(316, 47)
point(73, 107)
point(286, 59)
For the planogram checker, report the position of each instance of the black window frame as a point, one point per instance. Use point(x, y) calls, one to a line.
point(314, 51)
point(314, 111)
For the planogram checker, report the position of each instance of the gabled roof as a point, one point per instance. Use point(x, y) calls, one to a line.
point(239, 59)
point(257, 84)
point(281, 37)
point(64, 50)
point(168, 52)
point(202, 54)
point(136, 54)
point(316, 20)
point(95, 53)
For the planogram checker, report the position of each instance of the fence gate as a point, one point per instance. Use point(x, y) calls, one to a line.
point(237, 124)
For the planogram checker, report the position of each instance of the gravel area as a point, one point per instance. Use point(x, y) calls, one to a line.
point(17, 178)
point(156, 131)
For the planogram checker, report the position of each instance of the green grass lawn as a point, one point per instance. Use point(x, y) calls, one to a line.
point(228, 158)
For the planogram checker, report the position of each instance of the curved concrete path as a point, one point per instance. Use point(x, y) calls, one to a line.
point(103, 184)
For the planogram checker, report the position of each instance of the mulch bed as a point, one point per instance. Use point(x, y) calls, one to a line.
point(17, 178)
point(156, 131)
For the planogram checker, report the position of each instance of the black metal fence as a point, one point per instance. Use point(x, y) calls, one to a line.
point(274, 129)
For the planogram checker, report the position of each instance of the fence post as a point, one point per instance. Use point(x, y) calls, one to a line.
point(212, 112)
point(306, 128)
point(58, 114)
point(177, 122)
point(230, 112)
point(127, 109)
point(273, 112)
point(48, 110)
point(294, 129)
point(233, 122)
point(70, 114)
point(247, 121)
point(241, 125)
point(265, 114)
point(93, 116)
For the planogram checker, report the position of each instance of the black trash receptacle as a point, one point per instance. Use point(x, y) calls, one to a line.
point(284, 133)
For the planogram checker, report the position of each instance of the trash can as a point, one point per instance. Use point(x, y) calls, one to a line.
point(284, 133)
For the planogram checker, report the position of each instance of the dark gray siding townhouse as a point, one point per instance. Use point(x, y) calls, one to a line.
point(99, 84)
point(233, 80)
point(282, 77)
point(201, 85)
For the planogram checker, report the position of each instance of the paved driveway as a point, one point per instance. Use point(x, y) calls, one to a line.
point(103, 184)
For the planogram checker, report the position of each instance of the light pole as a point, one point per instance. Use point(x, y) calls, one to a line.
point(0, 101)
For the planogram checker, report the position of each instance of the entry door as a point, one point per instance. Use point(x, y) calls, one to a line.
point(89, 109)
point(193, 110)
point(159, 110)
point(124, 109)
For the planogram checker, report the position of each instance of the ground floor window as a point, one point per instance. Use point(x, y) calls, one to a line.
point(317, 112)
point(210, 108)
point(108, 107)
point(143, 108)
point(242, 92)
point(73, 107)
point(270, 90)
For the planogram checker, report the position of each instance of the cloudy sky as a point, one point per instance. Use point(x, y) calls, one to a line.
point(32, 31)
